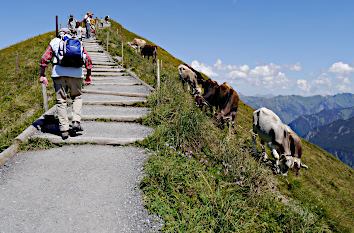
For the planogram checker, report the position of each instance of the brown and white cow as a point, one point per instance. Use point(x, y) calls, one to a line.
point(189, 77)
point(137, 44)
point(149, 51)
point(223, 97)
point(283, 142)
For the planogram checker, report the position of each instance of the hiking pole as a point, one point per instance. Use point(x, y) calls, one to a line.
point(45, 100)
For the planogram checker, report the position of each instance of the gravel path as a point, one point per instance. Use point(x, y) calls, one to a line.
point(82, 188)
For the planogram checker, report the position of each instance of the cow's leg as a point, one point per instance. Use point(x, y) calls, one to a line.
point(275, 155)
point(265, 156)
point(254, 142)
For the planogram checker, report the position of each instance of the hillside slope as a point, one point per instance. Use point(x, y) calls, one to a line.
point(288, 108)
point(21, 94)
point(337, 138)
point(201, 180)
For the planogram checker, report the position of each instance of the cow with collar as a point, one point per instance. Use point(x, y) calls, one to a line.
point(285, 145)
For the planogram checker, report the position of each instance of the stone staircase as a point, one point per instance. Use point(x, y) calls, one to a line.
point(108, 114)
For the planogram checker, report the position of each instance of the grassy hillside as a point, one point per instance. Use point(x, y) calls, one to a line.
point(21, 94)
point(199, 179)
point(288, 108)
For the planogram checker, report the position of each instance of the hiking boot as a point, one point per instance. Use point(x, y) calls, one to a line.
point(65, 134)
point(76, 126)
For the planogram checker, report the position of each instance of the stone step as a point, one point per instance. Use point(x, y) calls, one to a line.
point(104, 63)
point(113, 84)
point(104, 133)
point(101, 99)
point(141, 89)
point(101, 59)
point(112, 113)
point(93, 50)
point(120, 79)
point(92, 46)
point(102, 55)
point(106, 67)
point(115, 69)
point(106, 74)
point(115, 93)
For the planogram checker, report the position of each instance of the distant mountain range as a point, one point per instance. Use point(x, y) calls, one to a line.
point(337, 138)
point(288, 108)
point(303, 124)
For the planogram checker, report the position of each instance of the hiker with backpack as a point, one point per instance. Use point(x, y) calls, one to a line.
point(69, 56)
point(87, 21)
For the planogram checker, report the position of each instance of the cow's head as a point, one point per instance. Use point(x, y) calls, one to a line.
point(292, 163)
point(182, 69)
point(199, 101)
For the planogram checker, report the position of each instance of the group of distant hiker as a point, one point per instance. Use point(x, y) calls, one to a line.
point(75, 28)
point(68, 56)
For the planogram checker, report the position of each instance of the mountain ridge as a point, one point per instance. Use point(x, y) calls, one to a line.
point(290, 107)
point(336, 138)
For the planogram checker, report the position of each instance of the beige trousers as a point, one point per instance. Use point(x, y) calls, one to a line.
point(62, 85)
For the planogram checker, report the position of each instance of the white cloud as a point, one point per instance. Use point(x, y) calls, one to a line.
point(346, 81)
point(344, 88)
point(218, 65)
point(236, 74)
point(208, 70)
point(322, 80)
point(340, 68)
point(303, 85)
point(294, 67)
point(265, 70)
point(267, 76)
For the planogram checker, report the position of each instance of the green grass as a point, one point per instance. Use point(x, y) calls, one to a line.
point(194, 196)
point(21, 94)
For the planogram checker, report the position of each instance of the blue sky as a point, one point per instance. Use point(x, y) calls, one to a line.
point(259, 46)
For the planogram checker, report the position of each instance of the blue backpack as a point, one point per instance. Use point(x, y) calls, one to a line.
point(70, 53)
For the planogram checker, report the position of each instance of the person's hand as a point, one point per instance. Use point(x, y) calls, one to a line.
point(44, 80)
point(88, 80)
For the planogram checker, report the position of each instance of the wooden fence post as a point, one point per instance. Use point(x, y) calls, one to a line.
point(16, 63)
point(56, 26)
point(158, 74)
point(107, 40)
point(161, 65)
point(122, 49)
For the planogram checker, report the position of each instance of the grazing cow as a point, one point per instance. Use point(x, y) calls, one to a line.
point(189, 77)
point(223, 97)
point(149, 51)
point(137, 44)
point(281, 140)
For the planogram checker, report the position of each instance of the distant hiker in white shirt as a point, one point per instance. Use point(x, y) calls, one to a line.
point(87, 21)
